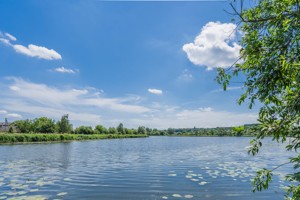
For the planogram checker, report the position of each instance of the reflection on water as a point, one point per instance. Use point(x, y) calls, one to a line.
point(143, 168)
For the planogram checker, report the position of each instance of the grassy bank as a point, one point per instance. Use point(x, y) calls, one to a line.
point(39, 137)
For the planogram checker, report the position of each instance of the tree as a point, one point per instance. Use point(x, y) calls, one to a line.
point(23, 126)
point(270, 62)
point(11, 129)
point(43, 125)
point(128, 131)
point(99, 129)
point(84, 130)
point(64, 126)
point(141, 130)
point(112, 130)
point(120, 128)
point(238, 130)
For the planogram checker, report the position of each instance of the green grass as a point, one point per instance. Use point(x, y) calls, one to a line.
point(40, 137)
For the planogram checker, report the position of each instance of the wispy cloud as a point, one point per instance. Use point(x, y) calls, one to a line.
point(3, 112)
point(65, 70)
point(215, 46)
point(10, 37)
point(185, 76)
point(155, 91)
point(31, 50)
point(89, 106)
point(44, 96)
point(187, 118)
point(14, 115)
point(6, 114)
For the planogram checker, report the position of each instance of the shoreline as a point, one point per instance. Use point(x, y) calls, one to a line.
point(37, 138)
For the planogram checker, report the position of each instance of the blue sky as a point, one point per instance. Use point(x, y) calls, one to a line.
point(150, 63)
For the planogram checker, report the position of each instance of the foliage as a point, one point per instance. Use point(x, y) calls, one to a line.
point(141, 130)
point(64, 126)
point(238, 130)
point(219, 131)
point(87, 130)
point(11, 129)
point(24, 126)
point(37, 137)
point(112, 130)
point(43, 125)
point(120, 128)
point(99, 129)
point(270, 63)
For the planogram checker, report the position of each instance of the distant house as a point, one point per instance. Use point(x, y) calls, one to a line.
point(4, 126)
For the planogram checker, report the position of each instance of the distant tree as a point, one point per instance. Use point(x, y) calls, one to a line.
point(141, 130)
point(171, 131)
point(84, 130)
point(149, 130)
point(11, 129)
point(43, 125)
point(99, 129)
point(134, 131)
point(23, 126)
point(238, 130)
point(64, 126)
point(128, 131)
point(120, 128)
point(112, 130)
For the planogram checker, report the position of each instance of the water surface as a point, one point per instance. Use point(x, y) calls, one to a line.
point(209, 168)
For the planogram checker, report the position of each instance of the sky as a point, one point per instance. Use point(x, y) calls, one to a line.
point(140, 63)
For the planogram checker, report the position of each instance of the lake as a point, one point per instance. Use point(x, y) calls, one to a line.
point(143, 168)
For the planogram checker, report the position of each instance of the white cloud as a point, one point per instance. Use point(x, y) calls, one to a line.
point(31, 50)
point(9, 115)
point(50, 96)
point(37, 51)
point(201, 118)
point(14, 115)
point(66, 70)
point(89, 107)
point(155, 91)
point(10, 37)
point(3, 112)
point(5, 41)
point(214, 46)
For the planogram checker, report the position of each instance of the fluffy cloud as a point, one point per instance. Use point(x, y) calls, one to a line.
point(214, 46)
point(31, 50)
point(155, 91)
point(65, 70)
point(37, 51)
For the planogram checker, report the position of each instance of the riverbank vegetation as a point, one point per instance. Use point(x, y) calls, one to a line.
point(246, 130)
point(42, 137)
point(44, 129)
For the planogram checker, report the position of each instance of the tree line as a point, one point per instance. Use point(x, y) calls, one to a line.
point(47, 125)
point(245, 130)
